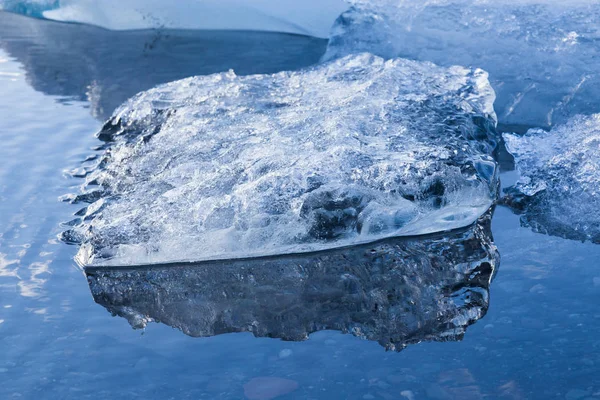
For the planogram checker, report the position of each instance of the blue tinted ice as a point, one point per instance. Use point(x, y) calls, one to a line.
point(559, 188)
point(307, 17)
point(543, 56)
point(346, 152)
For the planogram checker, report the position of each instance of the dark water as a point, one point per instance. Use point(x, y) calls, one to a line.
point(539, 340)
point(104, 68)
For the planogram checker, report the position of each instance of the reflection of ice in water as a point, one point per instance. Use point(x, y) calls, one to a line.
point(30, 279)
point(85, 70)
point(397, 291)
point(33, 286)
point(8, 267)
point(36, 145)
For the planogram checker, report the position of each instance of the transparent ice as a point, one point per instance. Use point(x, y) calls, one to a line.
point(559, 187)
point(543, 56)
point(345, 152)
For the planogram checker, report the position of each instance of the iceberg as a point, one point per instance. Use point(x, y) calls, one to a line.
point(397, 292)
point(558, 191)
point(308, 17)
point(541, 55)
point(342, 153)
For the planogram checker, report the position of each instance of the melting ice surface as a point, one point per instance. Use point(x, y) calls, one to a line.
point(345, 152)
point(397, 291)
point(559, 188)
point(307, 17)
point(542, 55)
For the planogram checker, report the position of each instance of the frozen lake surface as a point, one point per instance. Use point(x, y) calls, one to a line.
point(534, 337)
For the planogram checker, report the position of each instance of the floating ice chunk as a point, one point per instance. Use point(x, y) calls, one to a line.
point(307, 17)
point(345, 152)
point(543, 56)
point(397, 291)
point(558, 191)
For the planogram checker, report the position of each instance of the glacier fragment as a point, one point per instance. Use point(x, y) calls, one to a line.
point(345, 152)
point(541, 55)
point(397, 291)
point(558, 191)
point(307, 17)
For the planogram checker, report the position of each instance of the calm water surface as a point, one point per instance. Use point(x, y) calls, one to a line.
point(539, 340)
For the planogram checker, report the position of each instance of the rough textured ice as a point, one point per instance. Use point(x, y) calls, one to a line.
point(345, 152)
point(307, 17)
point(543, 56)
point(398, 291)
point(558, 191)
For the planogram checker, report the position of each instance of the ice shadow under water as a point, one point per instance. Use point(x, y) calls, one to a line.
point(396, 291)
point(107, 67)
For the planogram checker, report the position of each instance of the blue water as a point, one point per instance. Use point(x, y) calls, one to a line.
point(58, 82)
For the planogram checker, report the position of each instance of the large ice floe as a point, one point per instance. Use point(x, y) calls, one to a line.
point(397, 291)
point(346, 152)
point(307, 17)
point(558, 191)
point(542, 55)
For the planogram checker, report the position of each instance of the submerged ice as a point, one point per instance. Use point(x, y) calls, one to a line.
point(558, 191)
point(345, 152)
point(542, 55)
point(397, 291)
